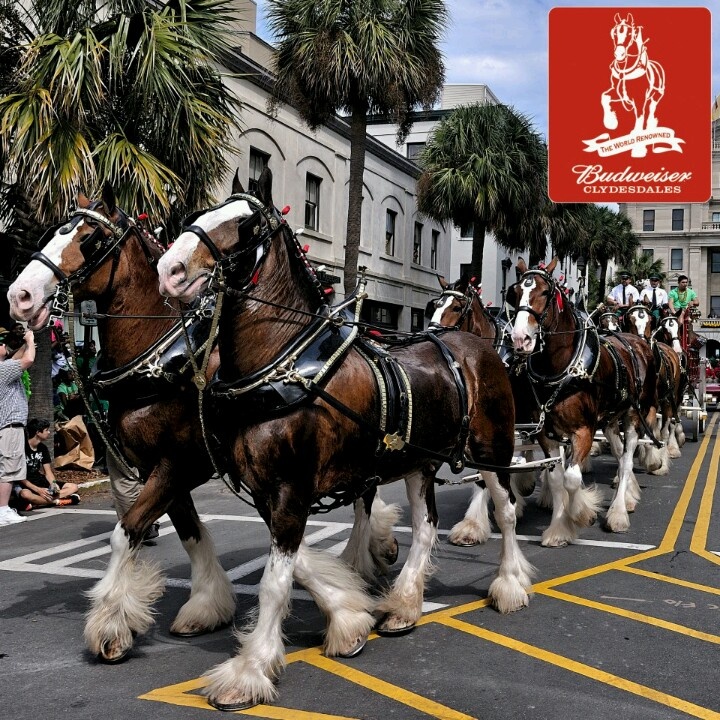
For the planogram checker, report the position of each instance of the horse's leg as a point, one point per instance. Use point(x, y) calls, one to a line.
point(402, 605)
point(508, 590)
point(544, 498)
point(655, 458)
point(612, 435)
point(679, 431)
point(247, 678)
point(663, 431)
point(120, 603)
point(340, 594)
point(212, 599)
point(583, 502)
point(617, 519)
point(371, 546)
point(561, 529)
point(474, 528)
point(610, 120)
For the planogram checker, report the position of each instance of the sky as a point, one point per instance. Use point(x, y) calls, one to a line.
point(503, 44)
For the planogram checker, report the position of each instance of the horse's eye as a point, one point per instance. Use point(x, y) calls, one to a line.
point(456, 309)
point(527, 282)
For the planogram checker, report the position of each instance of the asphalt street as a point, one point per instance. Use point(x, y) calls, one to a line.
point(624, 626)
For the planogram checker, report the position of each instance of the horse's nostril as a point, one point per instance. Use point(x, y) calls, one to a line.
point(177, 271)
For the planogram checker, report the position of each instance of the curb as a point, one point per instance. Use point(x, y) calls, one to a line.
point(92, 483)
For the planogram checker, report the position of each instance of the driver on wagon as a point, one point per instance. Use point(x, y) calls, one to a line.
point(623, 295)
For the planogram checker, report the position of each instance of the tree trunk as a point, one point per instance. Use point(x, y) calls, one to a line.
point(478, 250)
point(41, 400)
point(358, 130)
point(602, 291)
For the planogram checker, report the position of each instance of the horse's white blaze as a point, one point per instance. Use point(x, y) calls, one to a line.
point(437, 315)
point(641, 321)
point(523, 332)
point(37, 280)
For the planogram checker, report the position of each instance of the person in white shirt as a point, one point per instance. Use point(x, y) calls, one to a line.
point(654, 296)
point(623, 295)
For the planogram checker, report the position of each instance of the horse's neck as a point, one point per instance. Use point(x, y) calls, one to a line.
point(480, 323)
point(134, 292)
point(254, 333)
point(560, 339)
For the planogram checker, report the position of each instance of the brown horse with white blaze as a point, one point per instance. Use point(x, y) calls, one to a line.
point(100, 253)
point(325, 437)
point(460, 307)
point(581, 382)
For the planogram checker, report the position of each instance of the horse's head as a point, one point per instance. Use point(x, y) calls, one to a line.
point(535, 298)
point(453, 305)
point(609, 321)
point(639, 321)
point(624, 33)
point(668, 331)
point(234, 236)
point(76, 255)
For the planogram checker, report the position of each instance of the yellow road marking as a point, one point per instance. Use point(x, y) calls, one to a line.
point(647, 619)
point(182, 694)
point(671, 580)
point(411, 699)
point(584, 670)
point(698, 543)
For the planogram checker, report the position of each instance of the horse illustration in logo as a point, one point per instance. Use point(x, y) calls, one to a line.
point(636, 82)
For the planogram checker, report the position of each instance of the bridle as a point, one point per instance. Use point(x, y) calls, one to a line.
point(465, 300)
point(95, 249)
point(264, 224)
point(549, 293)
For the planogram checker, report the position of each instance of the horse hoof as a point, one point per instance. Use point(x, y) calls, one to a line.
point(355, 651)
point(108, 658)
point(199, 631)
point(232, 707)
point(391, 556)
point(395, 632)
point(463, 542)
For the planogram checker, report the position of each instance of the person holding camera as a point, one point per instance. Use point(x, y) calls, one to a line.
point(16, 355)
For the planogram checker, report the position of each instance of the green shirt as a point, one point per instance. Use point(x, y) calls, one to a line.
point(682, 302)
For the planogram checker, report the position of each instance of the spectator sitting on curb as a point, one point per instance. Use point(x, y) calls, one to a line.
point(40, 488)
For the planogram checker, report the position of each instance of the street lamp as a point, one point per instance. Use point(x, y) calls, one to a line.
point(581, 265)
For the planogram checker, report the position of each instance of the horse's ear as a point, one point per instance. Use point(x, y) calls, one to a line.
point(108, 199)
point(443, 282)
point(630, 19)
point(549, 269)
point(82, 200)
point(265, 186)
point(521, 266)
point(237, 186)
point(618, 19)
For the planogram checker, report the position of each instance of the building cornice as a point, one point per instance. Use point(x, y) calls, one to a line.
point(243, 68)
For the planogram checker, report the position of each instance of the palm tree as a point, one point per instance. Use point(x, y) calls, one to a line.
point(359, 57)
point(643, 265)
point(485, 165)
point(610, 237)
point(123, 91)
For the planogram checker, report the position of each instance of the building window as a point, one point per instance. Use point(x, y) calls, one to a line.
point(312, 201)
point(390, 218)
point(466, 231)
point(465, 270)
point(378, 313)
point(417, 243)
point(414, 150)
point(258, 162)
point(715, 261)
point(648, 220)
point(417, 320)
point(434, 242)
point(678, 218)
point(715, 304)
point(716, 217)
point(648, 253)
point(676, 259)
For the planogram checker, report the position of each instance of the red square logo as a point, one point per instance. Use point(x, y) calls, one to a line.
point(629, 107)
